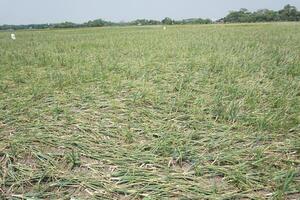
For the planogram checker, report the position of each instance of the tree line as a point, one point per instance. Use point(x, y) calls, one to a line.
point(102, 23)
point(288, 13)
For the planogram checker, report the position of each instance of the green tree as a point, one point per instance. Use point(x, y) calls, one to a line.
point(97, 23)
point(265, 15)
point(243, 15)
point(65, 25)
point(289, 13)
point(168, 21)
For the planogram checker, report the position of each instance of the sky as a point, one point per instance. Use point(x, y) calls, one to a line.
point(78, 11)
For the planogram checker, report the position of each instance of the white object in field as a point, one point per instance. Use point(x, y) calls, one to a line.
point(13, 36)
point(165, 28)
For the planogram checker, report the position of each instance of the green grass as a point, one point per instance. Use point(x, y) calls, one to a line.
point(193, 112)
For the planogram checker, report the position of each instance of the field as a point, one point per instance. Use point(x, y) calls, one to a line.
point(191, 112)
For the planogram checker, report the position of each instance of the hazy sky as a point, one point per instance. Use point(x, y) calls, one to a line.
point(51, 11)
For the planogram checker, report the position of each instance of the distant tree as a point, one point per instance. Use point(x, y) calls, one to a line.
point(97, 23)
point(265, 15)
point(65, 25)
point(153, 22)
point(143, 22)
point(289, 13)
point(194, 21)
point(168, 21)
point(140, 22)
point(243, 15)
